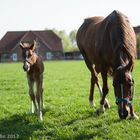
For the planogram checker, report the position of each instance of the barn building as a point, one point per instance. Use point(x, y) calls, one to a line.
point(48, 45)
point(137, 29)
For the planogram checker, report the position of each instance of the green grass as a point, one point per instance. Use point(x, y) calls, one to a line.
point(67, 114)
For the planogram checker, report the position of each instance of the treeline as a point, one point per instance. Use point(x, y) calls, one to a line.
point(68, 40)
point(138, 42)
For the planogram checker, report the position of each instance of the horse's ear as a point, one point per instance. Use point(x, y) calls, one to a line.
point(129, 66)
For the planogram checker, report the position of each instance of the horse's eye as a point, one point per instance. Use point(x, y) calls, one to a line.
point(130, 82)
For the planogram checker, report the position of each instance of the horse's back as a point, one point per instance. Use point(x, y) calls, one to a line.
point(98, 38)
point(86, 37)
point(87, 25)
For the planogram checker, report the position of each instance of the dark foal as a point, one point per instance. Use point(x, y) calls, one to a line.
point(33, 65)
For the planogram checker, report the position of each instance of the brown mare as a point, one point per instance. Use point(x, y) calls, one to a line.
point(108, 46)
point(33, 65)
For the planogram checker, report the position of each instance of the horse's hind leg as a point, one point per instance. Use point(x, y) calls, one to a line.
point(104, 102)
point(92, 85)
point(94, 79)
point(91, 101)
point(105, 89)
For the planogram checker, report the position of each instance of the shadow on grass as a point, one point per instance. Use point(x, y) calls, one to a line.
point(91, 128)
point(19, 126)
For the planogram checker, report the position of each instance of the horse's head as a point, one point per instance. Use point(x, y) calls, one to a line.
point(123, 87)
point(29, 56)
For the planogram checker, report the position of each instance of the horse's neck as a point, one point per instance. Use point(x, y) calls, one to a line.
point(39, 64)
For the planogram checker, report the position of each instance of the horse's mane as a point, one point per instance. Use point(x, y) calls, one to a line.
point(126, 39)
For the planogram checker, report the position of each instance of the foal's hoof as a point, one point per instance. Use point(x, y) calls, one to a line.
point(106, 104)
point(31, 112)
point(40, 119)
point(91, 104)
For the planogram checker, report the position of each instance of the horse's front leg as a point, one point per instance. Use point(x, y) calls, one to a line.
point(32, 96)
point(132, 113)
point(38, 98)
point(104, 102)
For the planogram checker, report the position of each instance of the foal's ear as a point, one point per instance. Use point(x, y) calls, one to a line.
point(21, 45)
point(32, 47)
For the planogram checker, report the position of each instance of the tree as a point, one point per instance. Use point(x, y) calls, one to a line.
point(65, 39)
point(138, 44)
point(68, 41)
point(72, 37)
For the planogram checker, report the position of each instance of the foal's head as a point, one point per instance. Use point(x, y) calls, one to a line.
point(123, 87)
point(29, 55)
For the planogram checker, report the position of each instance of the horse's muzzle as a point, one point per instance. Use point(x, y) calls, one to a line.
point(123, 112)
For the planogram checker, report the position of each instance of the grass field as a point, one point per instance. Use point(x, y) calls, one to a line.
point(67, 114)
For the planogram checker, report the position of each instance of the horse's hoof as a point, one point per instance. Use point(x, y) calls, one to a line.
point(106, 105)
point(101, 110)
point(135, 117)
point(98, 112)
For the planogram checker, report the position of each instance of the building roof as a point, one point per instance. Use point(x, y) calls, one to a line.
point(137, 29)
point(12, 39)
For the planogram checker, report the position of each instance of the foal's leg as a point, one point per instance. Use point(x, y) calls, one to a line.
point(38, 98)
point(32, 96)
point(41, 91)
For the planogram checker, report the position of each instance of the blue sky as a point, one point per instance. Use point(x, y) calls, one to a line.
point(19, 15)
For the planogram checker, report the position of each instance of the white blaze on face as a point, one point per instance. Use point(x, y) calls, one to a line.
point(122, 98)
point(27, 53)
point(26, 62)
point(28, 66)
